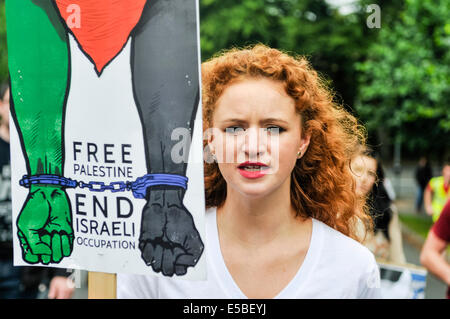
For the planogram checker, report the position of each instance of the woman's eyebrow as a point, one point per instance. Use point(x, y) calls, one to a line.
point(263, 121)
point(272, 119)
point(233, 120)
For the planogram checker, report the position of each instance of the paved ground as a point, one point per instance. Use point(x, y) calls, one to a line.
point(435, 288)
point(412, 245)
point(82, 291)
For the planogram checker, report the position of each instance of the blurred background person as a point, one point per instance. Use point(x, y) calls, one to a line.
point(432, 255)
point(387, 184)
point(20, 282)
point(423, 174)
point(437, 192)
point(386, 240)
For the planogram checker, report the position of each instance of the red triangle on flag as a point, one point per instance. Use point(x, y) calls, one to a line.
point(101, 27)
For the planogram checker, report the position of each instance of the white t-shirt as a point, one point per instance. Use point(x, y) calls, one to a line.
point(335, 266)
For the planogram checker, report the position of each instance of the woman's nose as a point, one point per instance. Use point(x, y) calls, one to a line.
point(255, 143)
point(365, 179)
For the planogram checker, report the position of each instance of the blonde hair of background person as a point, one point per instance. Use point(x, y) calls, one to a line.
point(386, 239)
point(281, 214)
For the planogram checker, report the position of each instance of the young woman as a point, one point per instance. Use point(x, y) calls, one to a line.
point(386, 239)
point(281, 205)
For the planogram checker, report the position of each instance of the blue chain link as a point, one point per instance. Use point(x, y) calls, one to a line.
point(138, 187)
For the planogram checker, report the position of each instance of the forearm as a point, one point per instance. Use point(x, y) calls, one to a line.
point(38, 62)
point(396, 247)
point(166, 86)
point(427, 201)
point(165, 155)
point(436, 264)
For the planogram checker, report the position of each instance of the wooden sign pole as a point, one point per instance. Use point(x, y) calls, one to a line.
point(101, 285)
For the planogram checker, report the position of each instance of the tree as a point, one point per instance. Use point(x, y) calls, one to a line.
point(331, 41)
point(404, 86)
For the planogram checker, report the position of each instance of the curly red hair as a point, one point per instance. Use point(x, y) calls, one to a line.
point(322, 184)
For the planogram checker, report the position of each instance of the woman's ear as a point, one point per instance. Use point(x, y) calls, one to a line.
point(209, 135)
point(210, 147)
point(304, 143)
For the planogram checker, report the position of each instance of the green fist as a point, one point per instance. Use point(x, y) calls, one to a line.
point(45, 225)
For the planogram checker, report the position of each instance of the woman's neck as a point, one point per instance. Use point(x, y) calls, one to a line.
point(255, 221)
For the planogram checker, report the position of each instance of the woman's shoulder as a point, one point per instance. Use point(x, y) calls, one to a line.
point(340, 247)
point(210, 217)
point(344, 257)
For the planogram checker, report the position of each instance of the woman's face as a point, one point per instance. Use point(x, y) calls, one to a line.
point(364, 169)
point(256, 136)
point(4, 108)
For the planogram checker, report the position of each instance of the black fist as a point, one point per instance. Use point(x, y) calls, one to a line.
point(169, 241)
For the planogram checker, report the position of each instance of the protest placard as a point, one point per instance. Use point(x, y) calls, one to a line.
point(106, 136)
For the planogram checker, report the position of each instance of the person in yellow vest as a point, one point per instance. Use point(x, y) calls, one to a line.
point(437, 192)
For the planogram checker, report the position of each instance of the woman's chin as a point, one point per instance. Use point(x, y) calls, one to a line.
point(254, 192)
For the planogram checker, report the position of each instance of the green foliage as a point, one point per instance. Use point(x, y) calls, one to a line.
point(332, 42)
point(404, 85)
point(417, 223)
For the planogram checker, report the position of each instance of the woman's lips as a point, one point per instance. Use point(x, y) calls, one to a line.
point(253, 170)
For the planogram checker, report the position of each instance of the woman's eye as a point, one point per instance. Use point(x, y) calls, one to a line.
point(239, 129)
point(372, 174)
point(274, 129)
point(234, 129)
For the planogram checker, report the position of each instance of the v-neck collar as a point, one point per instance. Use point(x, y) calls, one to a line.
point(226, 281)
